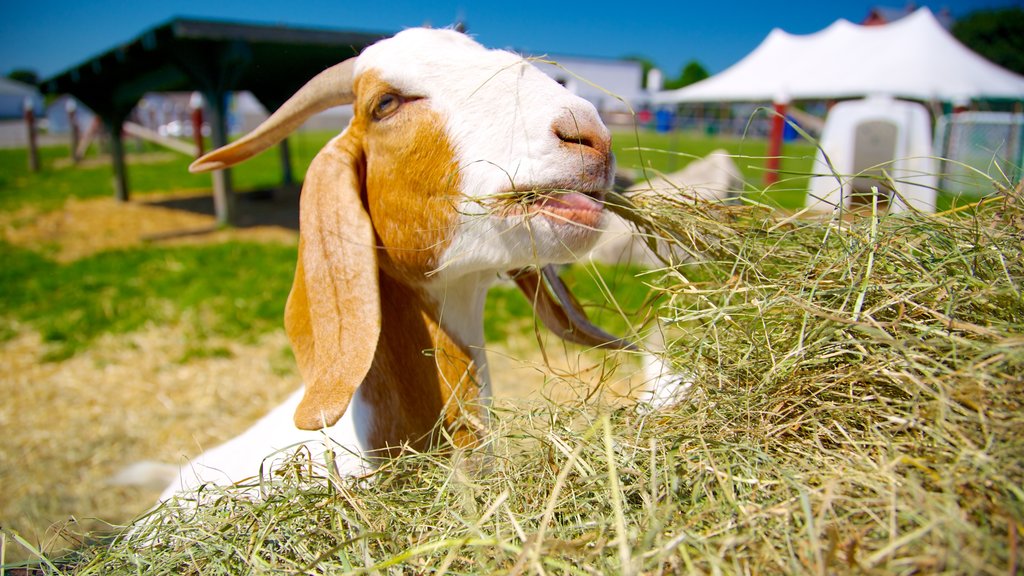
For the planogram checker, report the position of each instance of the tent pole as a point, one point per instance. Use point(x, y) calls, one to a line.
point(771, 175)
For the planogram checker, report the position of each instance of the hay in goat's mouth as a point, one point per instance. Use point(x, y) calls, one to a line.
point(858, 407)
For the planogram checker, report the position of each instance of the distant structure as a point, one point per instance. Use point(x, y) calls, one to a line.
point(880, 15)
point(613, 86)
point(12, 98)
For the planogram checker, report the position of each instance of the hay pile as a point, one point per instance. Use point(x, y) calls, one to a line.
point(857, 407)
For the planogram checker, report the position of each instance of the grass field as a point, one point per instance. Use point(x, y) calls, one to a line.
point(857, 400)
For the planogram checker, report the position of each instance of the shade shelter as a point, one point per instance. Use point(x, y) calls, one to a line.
point(213, 58)
point(913, 58)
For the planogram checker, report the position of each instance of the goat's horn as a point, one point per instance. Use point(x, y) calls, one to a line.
point(330, 88)
point(559, 310)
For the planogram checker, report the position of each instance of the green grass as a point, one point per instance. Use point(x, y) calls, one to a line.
point(234, 289)
point(666, 153)
point(52, 185)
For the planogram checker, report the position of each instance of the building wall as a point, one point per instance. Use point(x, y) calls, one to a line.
point(613, 86)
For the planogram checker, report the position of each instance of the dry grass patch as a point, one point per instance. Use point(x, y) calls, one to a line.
point(70, 426)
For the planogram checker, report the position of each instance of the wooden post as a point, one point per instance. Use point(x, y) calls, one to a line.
point(196, 104)
point(287, 176)
point(72, 109)
point(771, 175)
point(223, 194)
point(30, 127)
point(117, 159)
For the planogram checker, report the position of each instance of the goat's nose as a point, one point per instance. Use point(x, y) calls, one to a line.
point(582, 130)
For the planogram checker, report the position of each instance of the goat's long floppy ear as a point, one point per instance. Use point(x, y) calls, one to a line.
point(330, 88)
point(333, 313)
point(559, 310)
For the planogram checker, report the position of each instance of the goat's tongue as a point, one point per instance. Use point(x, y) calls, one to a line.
point(570, 207)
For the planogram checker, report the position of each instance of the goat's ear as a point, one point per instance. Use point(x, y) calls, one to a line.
point(333, 313)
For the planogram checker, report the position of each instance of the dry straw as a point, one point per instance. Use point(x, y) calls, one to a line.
point(857, 408)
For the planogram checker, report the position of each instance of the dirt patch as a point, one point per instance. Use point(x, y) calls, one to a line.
point(70, 426)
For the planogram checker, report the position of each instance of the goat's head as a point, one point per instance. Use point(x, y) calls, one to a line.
point(459, 162)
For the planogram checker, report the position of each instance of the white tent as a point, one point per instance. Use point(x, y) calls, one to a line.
point(914, 58)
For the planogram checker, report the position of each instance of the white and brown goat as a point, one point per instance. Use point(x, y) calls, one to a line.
point(460, 164)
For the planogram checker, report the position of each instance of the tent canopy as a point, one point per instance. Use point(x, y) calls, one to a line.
point(914, 58)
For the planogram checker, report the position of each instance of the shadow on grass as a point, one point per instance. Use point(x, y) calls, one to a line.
point(261, 207)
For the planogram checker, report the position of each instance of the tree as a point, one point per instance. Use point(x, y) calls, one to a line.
point(692, 72)
point(24, 75)
point(997, 35)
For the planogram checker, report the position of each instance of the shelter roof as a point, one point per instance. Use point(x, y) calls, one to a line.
point(210, 56)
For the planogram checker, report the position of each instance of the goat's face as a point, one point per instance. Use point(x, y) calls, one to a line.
point(492, 164)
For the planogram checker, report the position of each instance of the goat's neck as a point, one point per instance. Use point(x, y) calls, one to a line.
point(429, 362)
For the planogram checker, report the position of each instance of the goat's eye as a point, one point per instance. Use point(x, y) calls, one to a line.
point(386, 105)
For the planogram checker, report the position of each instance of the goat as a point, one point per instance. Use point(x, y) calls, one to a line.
point(460, 164)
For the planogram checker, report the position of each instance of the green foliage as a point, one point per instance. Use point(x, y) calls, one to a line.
point(25, 76)
point(998, 35)
point(692, 72)
point(236, 290)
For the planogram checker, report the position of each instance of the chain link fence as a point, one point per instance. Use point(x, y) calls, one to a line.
point(978, 148)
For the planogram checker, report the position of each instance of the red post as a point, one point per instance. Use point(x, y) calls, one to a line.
point(30, 126)
point(196, 103)
point(771, 175)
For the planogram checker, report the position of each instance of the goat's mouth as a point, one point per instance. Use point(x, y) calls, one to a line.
point(558, 205)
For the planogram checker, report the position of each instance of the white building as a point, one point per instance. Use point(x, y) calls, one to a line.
point(613, 86)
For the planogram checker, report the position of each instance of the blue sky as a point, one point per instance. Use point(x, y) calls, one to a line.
point(49, 36)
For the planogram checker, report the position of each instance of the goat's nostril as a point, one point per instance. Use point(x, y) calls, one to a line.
point(571, 132)
point(575, 138)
